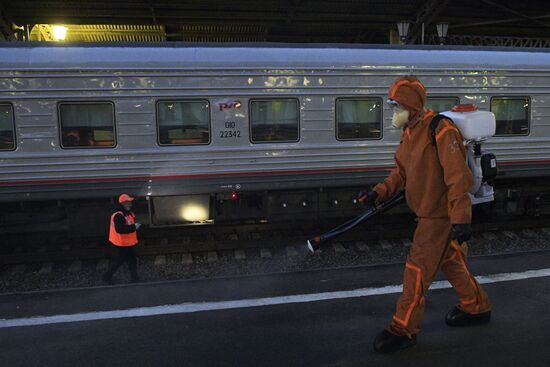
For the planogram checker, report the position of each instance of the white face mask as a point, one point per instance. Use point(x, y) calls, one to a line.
point(400, 118)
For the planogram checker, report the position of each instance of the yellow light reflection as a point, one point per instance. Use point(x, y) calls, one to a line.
point(194, 213)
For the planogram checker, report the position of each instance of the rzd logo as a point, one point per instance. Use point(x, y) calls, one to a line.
point(226, 105)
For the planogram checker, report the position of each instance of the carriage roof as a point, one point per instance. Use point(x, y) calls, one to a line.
point(162, 56)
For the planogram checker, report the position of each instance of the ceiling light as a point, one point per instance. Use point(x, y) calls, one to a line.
point(59, 32)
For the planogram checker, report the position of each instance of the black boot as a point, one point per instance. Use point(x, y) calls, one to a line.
point(457, 317)
point(386, 342)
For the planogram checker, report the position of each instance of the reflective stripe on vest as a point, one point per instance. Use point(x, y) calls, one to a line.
point(122, 239)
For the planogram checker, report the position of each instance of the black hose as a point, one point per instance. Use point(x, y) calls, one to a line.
point(316, 241)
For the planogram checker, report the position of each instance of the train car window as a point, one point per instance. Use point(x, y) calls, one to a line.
point(511, 114)
point(442, 104)
point(7, 130)
point(86, 124)
point(358, 119)
point(183, 122)
point(274, 120)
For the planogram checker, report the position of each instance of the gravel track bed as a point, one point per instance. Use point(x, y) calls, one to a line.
point(288, 256)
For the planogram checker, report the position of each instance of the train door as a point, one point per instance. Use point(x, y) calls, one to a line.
point(230, 128)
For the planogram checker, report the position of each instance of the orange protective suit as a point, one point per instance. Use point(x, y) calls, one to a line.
point(436, 182)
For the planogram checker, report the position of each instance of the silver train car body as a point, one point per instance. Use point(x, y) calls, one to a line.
point(313, 174)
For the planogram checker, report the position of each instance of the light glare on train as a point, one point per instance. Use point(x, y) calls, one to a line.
point(194, 213)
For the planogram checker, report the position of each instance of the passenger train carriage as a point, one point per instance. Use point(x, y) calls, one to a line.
point(232, 132)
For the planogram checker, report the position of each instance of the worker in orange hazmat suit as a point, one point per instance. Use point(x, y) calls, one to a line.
point(436, 180)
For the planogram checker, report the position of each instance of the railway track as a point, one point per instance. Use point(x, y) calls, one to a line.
point(61, 247)
point(59, 261)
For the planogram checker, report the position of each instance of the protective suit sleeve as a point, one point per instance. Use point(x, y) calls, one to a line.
point(395, 182)
point(458, 177)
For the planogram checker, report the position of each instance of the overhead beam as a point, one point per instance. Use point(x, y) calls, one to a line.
point(152, 9)
point(291, 11)
point(6, 26)
point(493, 22)
point(481, 40)
point(505, 8)
point(425, 16)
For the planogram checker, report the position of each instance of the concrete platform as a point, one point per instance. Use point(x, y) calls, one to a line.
point(278, 320)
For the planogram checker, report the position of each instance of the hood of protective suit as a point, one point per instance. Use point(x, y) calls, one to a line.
point(410, 93)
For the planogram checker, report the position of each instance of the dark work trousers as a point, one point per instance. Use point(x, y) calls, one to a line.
point(126, 254)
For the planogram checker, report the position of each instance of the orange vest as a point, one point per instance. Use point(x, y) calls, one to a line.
point(122, 239)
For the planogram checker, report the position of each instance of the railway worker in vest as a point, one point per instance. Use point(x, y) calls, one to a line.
point(437, 181)
point(123, 234)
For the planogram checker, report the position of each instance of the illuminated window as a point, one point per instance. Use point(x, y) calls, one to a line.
point(274, 120)
point(442, 104)
point(87, 124)
point(7, 131)
point(358, 119)
point(511, 114)
point(183, 122)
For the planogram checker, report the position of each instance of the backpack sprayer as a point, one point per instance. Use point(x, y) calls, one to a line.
point(475, 126)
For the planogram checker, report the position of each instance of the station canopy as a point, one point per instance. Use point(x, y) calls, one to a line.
point(464, 22)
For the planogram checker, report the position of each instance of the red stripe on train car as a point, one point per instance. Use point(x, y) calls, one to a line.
point(197, 175)
point(225, 174)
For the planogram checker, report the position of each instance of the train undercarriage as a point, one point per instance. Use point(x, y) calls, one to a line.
point(513, 197)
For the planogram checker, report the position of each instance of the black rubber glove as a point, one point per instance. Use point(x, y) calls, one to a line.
point(367, 197)
point(461, 232)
